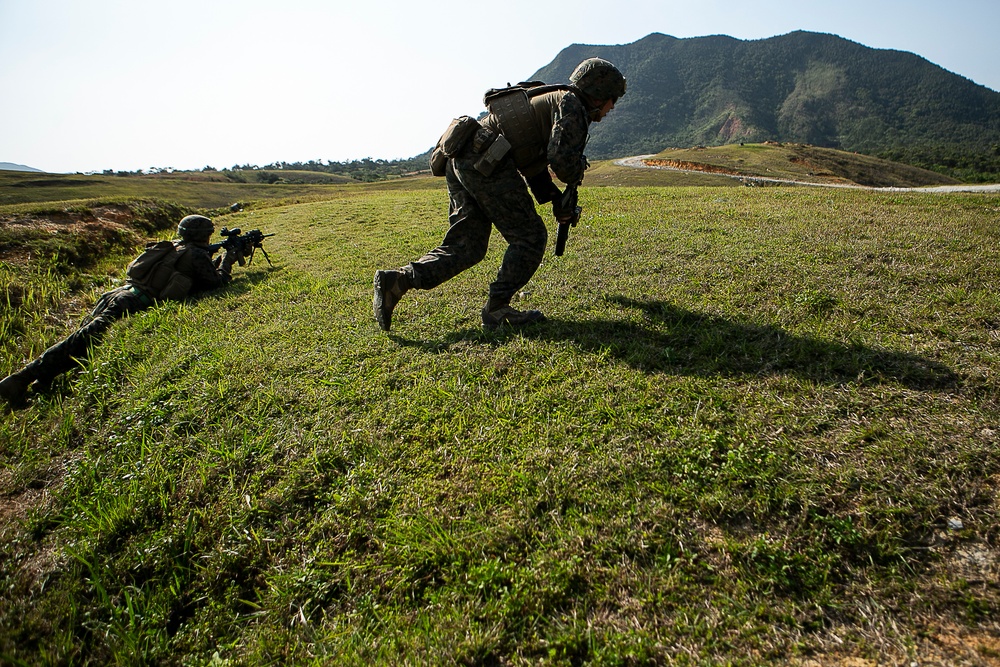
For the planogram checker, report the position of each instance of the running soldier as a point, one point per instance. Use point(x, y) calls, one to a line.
point(489, 167)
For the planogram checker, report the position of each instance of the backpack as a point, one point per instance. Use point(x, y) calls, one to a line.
point(155, 272)
point(458, 133)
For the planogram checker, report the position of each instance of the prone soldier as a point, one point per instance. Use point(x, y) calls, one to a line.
point(167, 270)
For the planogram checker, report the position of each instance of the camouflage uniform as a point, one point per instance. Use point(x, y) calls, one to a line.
point(501, 200)
point(196, 263)
point(544, 127)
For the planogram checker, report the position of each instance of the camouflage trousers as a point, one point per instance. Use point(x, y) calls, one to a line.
point(62, 356)
point(477, 204)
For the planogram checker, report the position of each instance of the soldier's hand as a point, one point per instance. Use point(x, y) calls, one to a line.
point(241, 252)
point(562, 212)
point(231, 256)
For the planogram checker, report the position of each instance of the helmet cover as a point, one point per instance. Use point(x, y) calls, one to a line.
point(193, 227)
point(598, 79)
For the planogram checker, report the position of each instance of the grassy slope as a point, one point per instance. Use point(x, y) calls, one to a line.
point(607, 173)
point(740, 437)
point(801, 162)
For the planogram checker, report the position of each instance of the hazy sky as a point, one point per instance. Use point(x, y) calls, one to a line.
point(139, 84)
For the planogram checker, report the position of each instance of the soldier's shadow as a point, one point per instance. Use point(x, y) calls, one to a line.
point(684, 342)
point(243, 282)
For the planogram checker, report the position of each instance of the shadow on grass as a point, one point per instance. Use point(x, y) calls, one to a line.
point(242, 283)
point(684, 342)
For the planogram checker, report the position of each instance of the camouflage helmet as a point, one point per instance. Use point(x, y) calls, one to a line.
point(194, 227)
point(598, 79)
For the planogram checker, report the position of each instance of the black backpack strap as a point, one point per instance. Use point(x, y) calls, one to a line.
point(532, 88)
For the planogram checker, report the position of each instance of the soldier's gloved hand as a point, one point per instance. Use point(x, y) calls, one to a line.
point(231, 256)
point(564, 208)
point(561, 213)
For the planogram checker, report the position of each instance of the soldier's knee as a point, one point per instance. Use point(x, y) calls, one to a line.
point(477, 251)
point(538, 239)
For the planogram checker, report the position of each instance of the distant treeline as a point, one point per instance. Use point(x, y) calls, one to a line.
point(365, 170)
point(982, 166)
point(969, 166)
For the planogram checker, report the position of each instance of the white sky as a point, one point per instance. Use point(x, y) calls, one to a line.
point(87, 85)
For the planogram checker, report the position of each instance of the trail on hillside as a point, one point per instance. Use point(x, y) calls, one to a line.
point(642, 162)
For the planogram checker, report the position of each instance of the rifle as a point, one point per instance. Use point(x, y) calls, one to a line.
point(569, 199)
point(247, 243)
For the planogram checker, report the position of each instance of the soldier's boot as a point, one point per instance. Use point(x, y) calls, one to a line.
point(390, 286)
point(14, 387)
point(498, 314)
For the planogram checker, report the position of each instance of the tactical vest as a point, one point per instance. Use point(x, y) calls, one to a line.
point(523, 114)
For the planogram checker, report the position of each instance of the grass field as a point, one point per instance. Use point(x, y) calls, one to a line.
point(760, 426)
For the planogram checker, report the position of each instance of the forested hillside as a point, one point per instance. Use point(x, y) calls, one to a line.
point(801, 87)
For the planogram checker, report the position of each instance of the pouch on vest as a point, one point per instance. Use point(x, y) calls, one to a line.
point(438, 161)
point(459, 131)
point(491, 158)
point(458, 134)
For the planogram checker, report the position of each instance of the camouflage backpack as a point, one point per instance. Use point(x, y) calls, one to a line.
point(155, 272)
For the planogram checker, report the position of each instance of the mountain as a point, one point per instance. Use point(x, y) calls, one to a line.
point(803, 87)
point(10, 166)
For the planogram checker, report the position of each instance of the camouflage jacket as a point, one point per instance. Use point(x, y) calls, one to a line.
point(197, 264)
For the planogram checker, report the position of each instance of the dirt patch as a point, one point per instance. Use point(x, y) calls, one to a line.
point(942, 645)
point(733, 127)
point(94, 230)
point(819, 176)
point(107, 214)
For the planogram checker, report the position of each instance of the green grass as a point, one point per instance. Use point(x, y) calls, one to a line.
point(738, 439)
